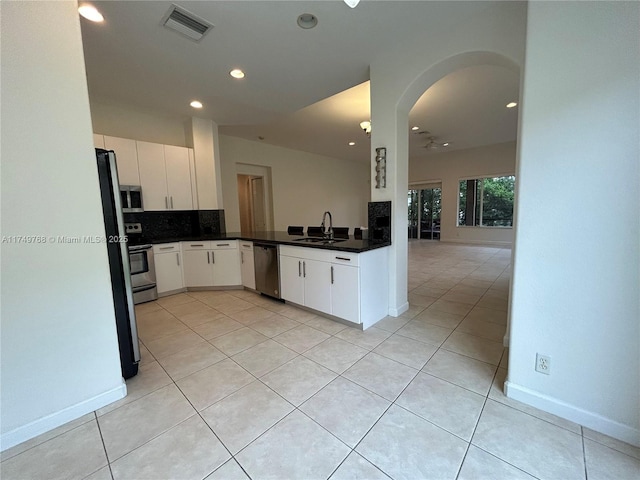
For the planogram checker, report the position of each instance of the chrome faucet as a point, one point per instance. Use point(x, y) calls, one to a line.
point(328, 234)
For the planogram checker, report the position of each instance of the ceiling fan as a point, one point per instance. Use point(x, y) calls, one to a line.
point(431, 144)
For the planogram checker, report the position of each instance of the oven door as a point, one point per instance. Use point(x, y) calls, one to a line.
point(143, 272)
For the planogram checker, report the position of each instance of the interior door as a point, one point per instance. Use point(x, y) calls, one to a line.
point(257, 204)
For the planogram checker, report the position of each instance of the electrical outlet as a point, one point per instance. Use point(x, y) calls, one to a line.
point(543, 364)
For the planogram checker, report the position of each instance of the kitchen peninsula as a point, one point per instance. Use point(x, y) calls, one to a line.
point(345, 279)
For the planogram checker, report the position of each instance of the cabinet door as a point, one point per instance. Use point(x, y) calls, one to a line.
point(317, 285)
point(247, 265)
point(226, 267)
point(198, 270)
point(168, 271)
point(345, 292)
point(178, 177)
point(98, 140)
point(126, 159)
point(291, 281)
point(194, 185)
point(153, 176)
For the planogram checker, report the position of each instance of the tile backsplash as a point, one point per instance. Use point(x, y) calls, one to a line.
point(380, 221)
point(157, 226)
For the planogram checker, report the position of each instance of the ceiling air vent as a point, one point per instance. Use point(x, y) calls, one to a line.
point(186, 23)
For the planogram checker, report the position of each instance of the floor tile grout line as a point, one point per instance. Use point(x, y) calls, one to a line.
point(45, 441)
point(533, 416)
point(584, 454)
point(104, 446)
point(475, 428)
point(197, 412)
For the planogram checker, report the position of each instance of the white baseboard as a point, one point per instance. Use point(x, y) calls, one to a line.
point(575, 414)
point(44, 424)
point(492, 243)
point(396, 312)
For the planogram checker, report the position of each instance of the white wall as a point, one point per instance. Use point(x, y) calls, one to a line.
point(127, 121)
point(450, 167)
point(59, 346)
point(575, 290)
point(303, 185)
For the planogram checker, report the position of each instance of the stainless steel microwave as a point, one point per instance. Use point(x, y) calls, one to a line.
point(131, 198)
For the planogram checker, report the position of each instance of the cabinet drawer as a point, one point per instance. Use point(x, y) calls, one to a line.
point(307, 253)
point(345, 258)
point(247, 246)
point(197, 245)
point(224, 244)
point(166, 248)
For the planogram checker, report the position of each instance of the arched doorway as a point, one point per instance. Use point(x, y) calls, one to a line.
point(390, 116)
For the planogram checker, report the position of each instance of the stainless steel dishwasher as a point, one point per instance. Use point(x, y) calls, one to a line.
point(267, 272)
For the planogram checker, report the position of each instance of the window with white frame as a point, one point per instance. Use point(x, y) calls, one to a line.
point(486, 201)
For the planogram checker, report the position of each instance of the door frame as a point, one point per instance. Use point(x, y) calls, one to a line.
point(264, 172)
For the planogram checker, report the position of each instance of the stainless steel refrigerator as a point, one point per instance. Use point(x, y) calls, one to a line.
point(118, 263)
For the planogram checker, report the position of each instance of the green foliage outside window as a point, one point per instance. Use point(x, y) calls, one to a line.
point(486, 201)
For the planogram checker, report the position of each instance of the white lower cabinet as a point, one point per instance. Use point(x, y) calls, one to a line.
point(291, 280)
point(211, 264)
point(318, 279)
point(247, 265)
point(345, 292)
point(168, 262)
point(317, 285)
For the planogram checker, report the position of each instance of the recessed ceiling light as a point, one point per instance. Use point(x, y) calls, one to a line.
point(307, 21)
point(236, 73)
point(351, 144)
point(446, 144)
point(196, 104)
point(90, 13)
point(415, 128)
point(511, 104)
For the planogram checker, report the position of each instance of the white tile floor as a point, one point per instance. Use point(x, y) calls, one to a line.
point(234, 386)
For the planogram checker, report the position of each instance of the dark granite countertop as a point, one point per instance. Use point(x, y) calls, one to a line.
point(350, 244)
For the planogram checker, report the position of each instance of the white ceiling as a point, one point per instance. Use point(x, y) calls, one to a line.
point(304, 89)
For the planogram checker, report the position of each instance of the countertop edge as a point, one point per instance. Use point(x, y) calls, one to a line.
point(346, 246)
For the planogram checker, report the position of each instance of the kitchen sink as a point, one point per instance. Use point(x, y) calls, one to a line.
point(318, 240)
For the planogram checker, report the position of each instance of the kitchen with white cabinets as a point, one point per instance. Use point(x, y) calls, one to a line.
point(347, 286)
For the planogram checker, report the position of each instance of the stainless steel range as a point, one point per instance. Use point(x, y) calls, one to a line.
point(143, 269)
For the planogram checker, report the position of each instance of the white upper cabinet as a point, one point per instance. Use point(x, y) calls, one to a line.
point(126, 159)
point(153, 176)
point(165, 176)
point(178, 177)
